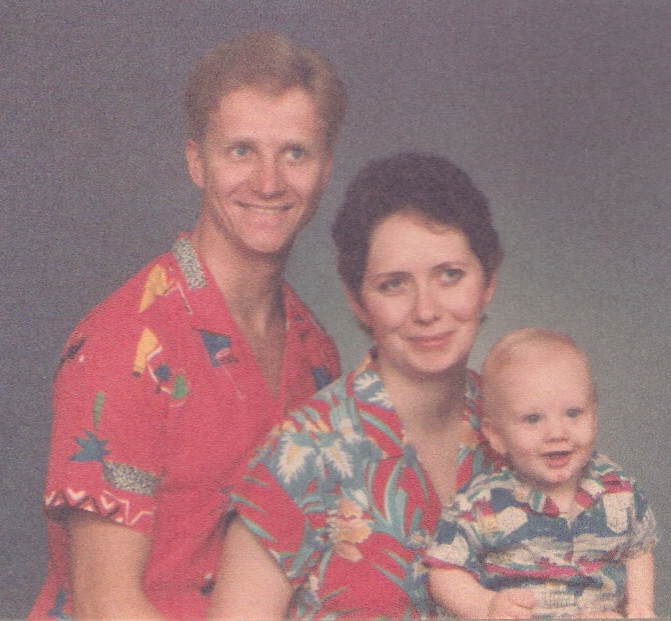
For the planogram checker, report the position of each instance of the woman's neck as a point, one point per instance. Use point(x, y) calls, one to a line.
point(430, 411)
point(428, 404)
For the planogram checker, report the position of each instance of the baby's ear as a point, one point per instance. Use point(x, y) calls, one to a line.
point(493, 436)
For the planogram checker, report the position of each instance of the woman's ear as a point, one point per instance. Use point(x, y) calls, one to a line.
point(491, 287)
point(359, 311)
point(493, 436)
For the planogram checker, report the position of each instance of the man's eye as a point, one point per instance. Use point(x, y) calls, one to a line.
point(240, 150)
point(573, 412)
point(531, 419)
point(295, 153)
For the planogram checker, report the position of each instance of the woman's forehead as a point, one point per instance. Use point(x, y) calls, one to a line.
point(406, 239)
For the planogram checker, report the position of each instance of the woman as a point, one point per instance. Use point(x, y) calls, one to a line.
point(339, 502)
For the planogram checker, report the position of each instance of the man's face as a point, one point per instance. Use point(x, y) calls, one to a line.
point(262, 167)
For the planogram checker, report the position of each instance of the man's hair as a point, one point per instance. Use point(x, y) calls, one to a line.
point(428, 185)
point(269, 61)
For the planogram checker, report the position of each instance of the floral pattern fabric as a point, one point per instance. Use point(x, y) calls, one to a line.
point(158, 405)
point(509, 535)
point(344, 506)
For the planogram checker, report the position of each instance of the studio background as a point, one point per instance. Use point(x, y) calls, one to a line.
point(559, 110)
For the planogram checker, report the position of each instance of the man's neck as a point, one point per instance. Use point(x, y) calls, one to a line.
point(250, 282)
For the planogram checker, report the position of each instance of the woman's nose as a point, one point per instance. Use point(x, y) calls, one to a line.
point(427, 308)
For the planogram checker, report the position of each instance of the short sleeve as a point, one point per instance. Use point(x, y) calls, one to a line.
point(107, 430)
point(643, 527)
point(455, 542)
point(278, 501)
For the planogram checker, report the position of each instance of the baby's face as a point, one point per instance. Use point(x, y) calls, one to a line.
point(542, 414)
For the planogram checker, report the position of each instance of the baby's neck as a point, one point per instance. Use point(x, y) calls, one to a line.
point(564, 499)
point(563, 496)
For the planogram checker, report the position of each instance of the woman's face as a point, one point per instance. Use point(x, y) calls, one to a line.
point(422, 296)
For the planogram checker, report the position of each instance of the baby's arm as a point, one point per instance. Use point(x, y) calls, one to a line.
point(461, 595)
point(639, 587)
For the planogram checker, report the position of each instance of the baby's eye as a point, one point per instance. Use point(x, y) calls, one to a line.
point(531, 419)
point(573, 412)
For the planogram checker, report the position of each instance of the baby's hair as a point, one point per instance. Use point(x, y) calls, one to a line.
point(517, 344)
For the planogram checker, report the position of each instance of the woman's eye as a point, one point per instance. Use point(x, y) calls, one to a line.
point(573, 412)
point(450, 275)
point(531, 419)
point(391, 285)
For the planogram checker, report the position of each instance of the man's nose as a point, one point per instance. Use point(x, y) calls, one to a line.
point(268, 178)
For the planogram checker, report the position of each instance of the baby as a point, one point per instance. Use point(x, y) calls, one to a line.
point(560, 531)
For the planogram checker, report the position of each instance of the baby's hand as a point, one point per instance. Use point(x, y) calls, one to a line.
point(512, 604)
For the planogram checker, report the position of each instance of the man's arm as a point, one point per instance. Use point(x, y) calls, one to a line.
point(640, 587)
point(459, 593)
point(106, 565)
point(249, 584)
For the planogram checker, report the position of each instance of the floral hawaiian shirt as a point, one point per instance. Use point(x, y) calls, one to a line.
point(158, 406)
point(509, 535)
point(344, 506)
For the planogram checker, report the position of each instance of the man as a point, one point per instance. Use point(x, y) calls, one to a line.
point(165, 388)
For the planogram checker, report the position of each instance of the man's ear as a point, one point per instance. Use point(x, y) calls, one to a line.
point(493, 436)
point(326, 171)
point(194, 163)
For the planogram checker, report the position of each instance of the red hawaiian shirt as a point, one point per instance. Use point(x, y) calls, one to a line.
point(158, 405)
point(342, 503)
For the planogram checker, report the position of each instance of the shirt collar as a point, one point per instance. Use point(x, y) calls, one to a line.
point(590, 488)
point(377, 410)
point(205, 300)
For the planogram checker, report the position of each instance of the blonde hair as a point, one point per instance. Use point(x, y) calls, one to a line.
point(511, 347)
point(269, 61)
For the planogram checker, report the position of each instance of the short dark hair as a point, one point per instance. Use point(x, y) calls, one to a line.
point(427, 184)
point(269, 61)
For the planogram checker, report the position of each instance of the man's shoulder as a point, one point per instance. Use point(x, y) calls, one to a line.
point(159, 283)
point(155, 294)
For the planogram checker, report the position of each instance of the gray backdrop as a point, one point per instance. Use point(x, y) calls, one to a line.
point(560, 110)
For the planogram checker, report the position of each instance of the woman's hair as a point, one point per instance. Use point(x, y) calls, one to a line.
point(427, 184)
point(269, 61)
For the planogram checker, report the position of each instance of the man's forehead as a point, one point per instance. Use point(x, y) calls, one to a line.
point(256, 114)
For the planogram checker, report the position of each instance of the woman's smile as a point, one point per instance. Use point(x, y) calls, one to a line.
point(422, 295)
point(431, 342)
